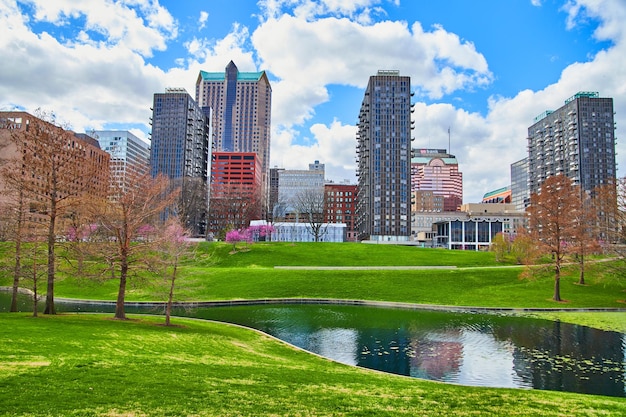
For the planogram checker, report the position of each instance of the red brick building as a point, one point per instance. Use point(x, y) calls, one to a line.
point(340, 206)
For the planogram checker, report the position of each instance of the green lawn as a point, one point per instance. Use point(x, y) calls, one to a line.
point(89, 365)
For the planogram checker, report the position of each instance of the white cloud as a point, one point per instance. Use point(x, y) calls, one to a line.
point(204, 17)
point(313, 55)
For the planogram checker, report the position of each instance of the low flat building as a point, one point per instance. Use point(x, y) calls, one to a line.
point(476, 225)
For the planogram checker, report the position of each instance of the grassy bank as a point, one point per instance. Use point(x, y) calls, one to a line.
point(216, 274)
point(85, 365)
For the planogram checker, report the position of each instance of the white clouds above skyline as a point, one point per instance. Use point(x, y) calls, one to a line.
point(97, 63)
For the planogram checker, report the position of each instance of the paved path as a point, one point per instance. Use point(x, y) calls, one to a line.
point(363, 268)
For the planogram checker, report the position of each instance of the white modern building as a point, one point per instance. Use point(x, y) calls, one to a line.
point(129, 154)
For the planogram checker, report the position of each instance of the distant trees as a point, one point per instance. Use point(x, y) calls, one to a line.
point(553, 216)
point(233, 206)
point(310, 206)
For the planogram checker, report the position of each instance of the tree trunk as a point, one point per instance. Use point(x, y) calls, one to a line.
point(581, 279)
point(17, 272)
point(35, 295)
point(557, 283)
point(50, 309)
point(121, 294)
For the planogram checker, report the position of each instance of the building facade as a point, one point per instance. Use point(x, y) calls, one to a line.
point(383, 159)
point(435, 180)
point(38, 149)
point(130, 156)
point(236, 197)
point(520, 193)
point(475, 226)
point(341, 206)
point(296, 185)
point(577, 140)
point(241, 103)
point(180, 149)
point(499, 196)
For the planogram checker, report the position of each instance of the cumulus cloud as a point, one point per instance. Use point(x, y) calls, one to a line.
point(102, 75)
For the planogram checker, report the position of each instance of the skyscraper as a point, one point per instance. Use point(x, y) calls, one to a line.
point(129, 154)
point(520, 194)
point(436, 180)
point(181, 150)
point(383, 159)
point(576, 140)
point(241, 103)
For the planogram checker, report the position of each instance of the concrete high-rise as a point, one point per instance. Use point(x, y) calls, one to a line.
point(383, 159)
point(577, 140)
point(241, 103)
point(181, 150)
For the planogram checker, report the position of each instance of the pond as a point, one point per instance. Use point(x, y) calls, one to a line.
point(465, 348)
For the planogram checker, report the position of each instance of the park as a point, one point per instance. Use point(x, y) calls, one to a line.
point(86, 364)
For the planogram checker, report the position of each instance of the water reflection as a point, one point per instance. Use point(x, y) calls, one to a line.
point(470, 349)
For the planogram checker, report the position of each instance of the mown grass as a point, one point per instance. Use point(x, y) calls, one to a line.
point(89, 365)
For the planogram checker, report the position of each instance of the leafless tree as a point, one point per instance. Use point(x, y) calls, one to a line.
point(553, 213)
point(56, 167)
point(233, 206)
point(170, 248)
point(310, 206)
point(126, 222)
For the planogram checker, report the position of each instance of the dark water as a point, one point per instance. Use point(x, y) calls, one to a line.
point(465, 348)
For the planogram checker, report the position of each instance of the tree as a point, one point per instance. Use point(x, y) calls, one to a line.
point(501, 246)
point(233, 206)
point(524, 247)
point(171, 247)
point(552, 219)
point(124, 221)
point(237, 236)
point(310, 206)
point(584, 234)
point(56, 167)
point(193, 204)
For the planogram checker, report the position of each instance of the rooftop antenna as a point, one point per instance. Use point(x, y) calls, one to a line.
point(449, 150)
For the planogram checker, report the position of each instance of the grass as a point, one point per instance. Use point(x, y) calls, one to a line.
point(216, 274)
point(90, 365)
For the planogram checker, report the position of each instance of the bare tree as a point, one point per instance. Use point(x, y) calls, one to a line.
point(56, 166)
point(139, 208)
point(193, 204)
point(233, 206)
point(172, 245)
point(310, 206)
point(553, 215)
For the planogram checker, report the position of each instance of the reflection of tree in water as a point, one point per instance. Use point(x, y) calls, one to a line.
point(436, 355)
point(568, 357)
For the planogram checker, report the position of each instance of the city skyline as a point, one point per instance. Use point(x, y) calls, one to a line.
point(97, 64)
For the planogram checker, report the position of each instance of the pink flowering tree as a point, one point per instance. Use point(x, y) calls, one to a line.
point(239, 236)
point(262, 232)
point(171, 246)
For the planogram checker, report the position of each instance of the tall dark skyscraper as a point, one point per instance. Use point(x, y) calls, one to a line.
point(384, 159)
point(241, 103)
point(181, 149)
point(576, 140)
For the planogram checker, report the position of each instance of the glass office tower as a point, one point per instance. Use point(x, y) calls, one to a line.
point(384, 159)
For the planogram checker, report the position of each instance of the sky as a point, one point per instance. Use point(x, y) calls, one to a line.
point(482, 70)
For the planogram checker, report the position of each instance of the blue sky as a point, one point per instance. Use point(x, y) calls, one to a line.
point(482, 68)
